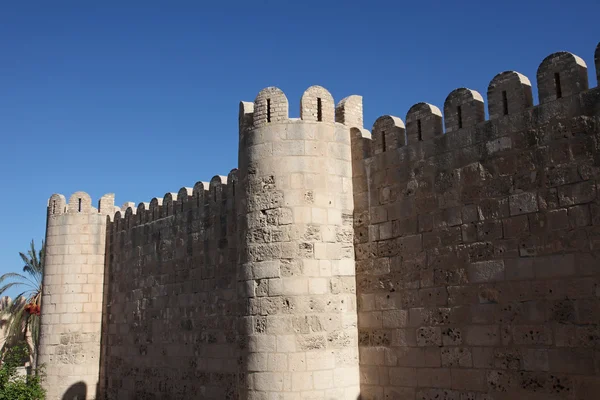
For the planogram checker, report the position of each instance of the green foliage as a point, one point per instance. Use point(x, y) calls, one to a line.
point(18, 387)
point(22, 315)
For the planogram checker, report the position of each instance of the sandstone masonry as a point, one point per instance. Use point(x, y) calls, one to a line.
point(445, 258)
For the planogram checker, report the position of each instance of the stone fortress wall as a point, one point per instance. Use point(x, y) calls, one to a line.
point(477, 250)
point(407, 262)
point(171, 296)
point(72, 293)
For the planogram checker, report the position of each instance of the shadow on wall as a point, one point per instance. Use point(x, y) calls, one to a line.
point(77, 391)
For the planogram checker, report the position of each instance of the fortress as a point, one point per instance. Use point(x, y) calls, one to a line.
point(409, 262)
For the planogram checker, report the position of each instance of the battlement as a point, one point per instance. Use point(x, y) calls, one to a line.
point(271, 106)
point(561, 77)
point(461, 249)
point(207, 198)
point(80, 202)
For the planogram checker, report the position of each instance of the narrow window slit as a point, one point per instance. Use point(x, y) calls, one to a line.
point(79, 208)
point(319, 110)
point(460, 122)
point(215, 193)
point(504, 102)
point(182, 206)
point(557, 84)
point(198, 201)
point(233, 188)
point(268, 110)
point(383, 146)
point(419, 131)
point(53, 206)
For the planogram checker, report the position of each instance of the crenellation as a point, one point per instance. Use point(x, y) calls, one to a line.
point(184, 199)
point(458, 231)
point(561, 74)
point(126, 205)
point(117, 224)
point(155, 210)
point(508, 93)
point(128, 218)
point(349, 112)
point(317, 105)
point(106, 204)
point(423, 122)
point(80, 202)
point(246, 116)
point(169, 204)
point(338, 263)
point(217, 191)
point(463, 108)
point(270, 106)
point(57, 204)
point(199, 194)
point(142, 213)
point(388, 134)
point(232, 189)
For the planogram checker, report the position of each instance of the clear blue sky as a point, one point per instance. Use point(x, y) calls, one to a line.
point(141, 98)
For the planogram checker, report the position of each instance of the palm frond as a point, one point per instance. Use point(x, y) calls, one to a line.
point(34, 261)
point(4, 288)
point(11, 275)
point(18, 320)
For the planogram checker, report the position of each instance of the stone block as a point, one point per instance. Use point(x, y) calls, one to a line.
point(576, 193)
point(523, 203)
point(486, 271)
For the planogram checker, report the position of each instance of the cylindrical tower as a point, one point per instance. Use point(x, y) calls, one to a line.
point(72, 292)
point(296, 272)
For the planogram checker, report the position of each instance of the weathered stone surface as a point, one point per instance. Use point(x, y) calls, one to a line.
point(489, 303)
point(410, 265)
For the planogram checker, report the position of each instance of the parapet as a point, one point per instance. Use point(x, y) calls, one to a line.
point(388, 133)
point(463, 107)
point(349, 111)
point(80, 202)
point(57, 204)
point(505, 84)
point(270, 106)
point(316, 105)
point(560, 75)
point(423, 122)
point(246, 116)
point(216, 189)
point(203, 196)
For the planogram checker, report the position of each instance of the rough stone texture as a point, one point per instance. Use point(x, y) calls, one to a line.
point(388, 134)
point(457, 266)
point(349, 112)
point(296, 268)
point(504, 84)
point(423, 122)
point(463, 108)
point(72, 294)
point(561, 74)
point(478, 265)
point(171, 295)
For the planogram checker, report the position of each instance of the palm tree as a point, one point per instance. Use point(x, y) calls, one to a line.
point(22, 315)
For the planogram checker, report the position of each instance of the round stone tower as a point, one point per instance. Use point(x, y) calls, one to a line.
point(71, 318)
point(296, 270)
